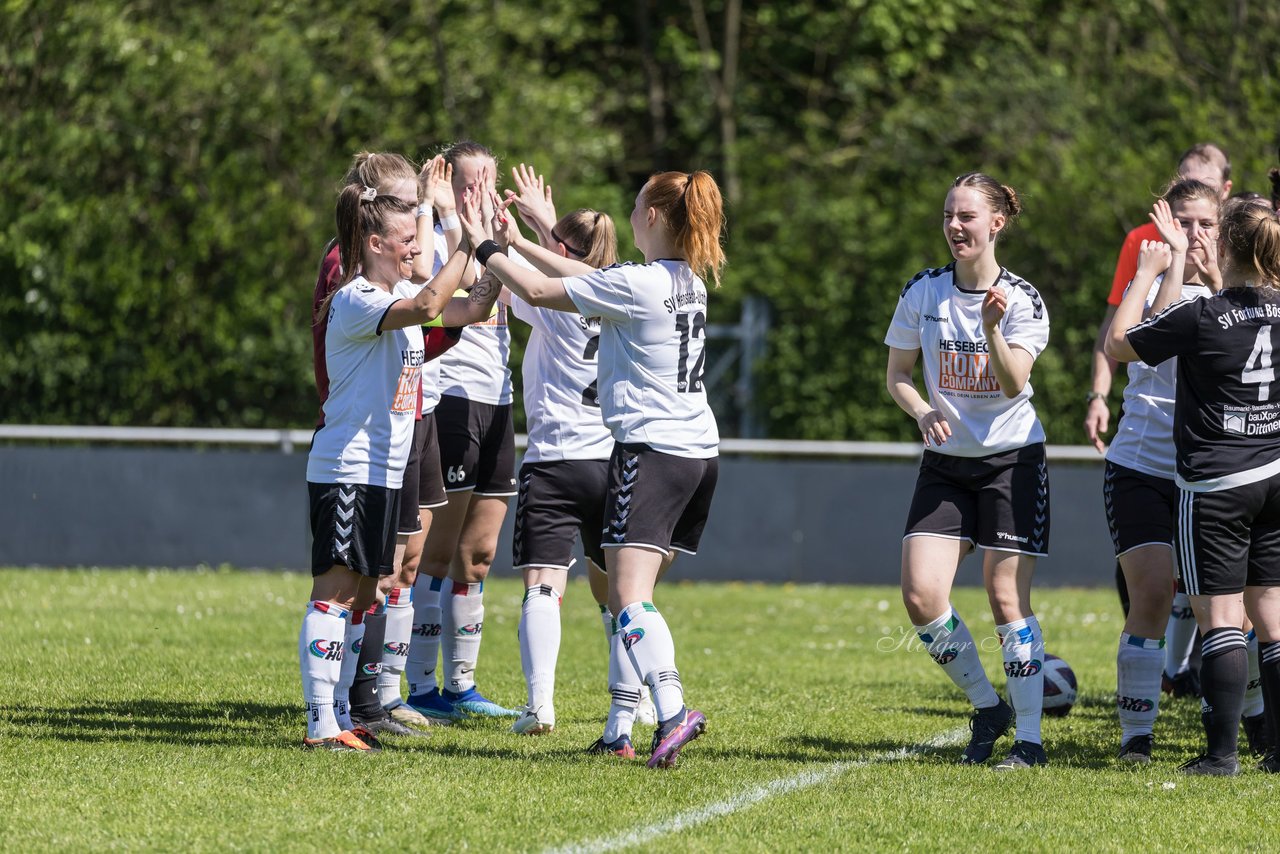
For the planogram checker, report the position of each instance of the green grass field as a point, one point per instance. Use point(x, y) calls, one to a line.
point(162, 710)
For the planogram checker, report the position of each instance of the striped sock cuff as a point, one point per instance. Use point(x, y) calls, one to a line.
point(1221, 640)
point(328, 608)
point(400, 596)
point(1269, 652)
point(1144, 643)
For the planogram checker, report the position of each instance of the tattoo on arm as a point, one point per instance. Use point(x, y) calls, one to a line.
point(481, 290)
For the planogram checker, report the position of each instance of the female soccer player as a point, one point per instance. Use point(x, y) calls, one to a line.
point(1138, 487)
point(662, 472)
point(983, 480)
point(1228, 467)
point(373, 354)
point(564, 476)
point(476, 434)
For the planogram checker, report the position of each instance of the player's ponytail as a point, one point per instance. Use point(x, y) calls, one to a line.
point(693, 208)
point(1249, 236)
point(361, 211)
point(378, 169)
point(589, 236)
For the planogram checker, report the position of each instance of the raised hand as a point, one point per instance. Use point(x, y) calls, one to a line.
point(1155, 257)
point(474, 230)
point(532, 199)
point(1170, 229)
point(1208, 266)
point(505, 230)
point(994, 305)
point(427, 182)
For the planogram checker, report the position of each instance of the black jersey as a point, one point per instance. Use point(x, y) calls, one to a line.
point(1226, 420)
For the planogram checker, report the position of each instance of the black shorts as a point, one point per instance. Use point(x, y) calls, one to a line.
point(558, 500)
point(657, 501)
point(410, 522)
point(353, 525)
point(1140, 508)
point(1000, 502)
point(477, 446)
point(1230, 539)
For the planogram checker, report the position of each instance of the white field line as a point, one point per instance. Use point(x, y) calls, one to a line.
point(751, 797)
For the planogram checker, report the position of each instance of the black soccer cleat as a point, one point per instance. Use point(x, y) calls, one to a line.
point(1270, 763)
point(1136, 750)
point(987, 725)
point(1023, 754)
point(1258, 734)
point(1205, 765)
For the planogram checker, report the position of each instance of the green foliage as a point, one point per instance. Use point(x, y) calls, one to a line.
point(169, 170)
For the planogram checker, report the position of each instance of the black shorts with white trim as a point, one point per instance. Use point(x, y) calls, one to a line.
point(657, 501)
point(1229, 539)
point(353, 525)
point(998, 502)
point(1140, 508)
point(559, 501)
point(477, 446)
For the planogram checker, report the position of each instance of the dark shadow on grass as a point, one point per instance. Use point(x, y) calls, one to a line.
point(199, 724)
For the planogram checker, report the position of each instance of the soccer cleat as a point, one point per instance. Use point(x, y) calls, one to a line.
point(363, 734)
point(432, 705)
point(620, 747)
point(409, 716)
point(669, 738)
point(1023, 754)
point(1257, 733)
point(344, 742)
point(472, 702)
point(387, 725)
point(1270, 763)
point(1185, 684)
point(1211, 766)
point(987, 725)
point(1136, 750)
point(539, 721)
point(646, 712)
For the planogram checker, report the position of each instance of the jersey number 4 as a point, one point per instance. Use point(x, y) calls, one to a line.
point(690, 382)
point(1262, 375)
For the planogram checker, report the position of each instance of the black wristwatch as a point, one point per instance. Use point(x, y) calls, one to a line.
point(1094, 395)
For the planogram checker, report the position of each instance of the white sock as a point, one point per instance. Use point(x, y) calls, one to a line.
point(1179, 635)
point(649, 645)
point(350, 659)
point(948, 642)
point(625, 686)
point(463, 610)
point(424, 642)
point(395, 647)
point(1253, 705)
point(1023, 644)
point(1139, 662)
point(320, 642)
point(539, 634)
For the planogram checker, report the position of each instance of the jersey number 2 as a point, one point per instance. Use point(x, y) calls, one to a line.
point(591, 394)
point(690, 382)
point(1263, 375)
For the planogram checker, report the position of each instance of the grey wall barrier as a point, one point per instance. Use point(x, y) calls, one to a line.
point(784, 511)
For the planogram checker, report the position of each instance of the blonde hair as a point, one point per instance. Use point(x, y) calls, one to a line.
point(378, 169)
point(1249, 235)
point(694, 210)
point(589, 236)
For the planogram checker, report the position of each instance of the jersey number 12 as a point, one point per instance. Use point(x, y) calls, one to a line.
point(1263, 375)
point(688, 381)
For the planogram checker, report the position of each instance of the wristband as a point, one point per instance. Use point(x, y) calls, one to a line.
point(423, 210)
point(450, 222)
point(1094, 395)
point(487, 250)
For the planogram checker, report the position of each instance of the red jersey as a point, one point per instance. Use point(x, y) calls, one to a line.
point(1127, 265)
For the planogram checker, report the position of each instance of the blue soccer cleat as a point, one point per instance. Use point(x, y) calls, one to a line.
point(432, 705)
point(472, 702)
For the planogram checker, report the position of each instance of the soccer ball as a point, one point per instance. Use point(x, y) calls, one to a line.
point(1059, 686)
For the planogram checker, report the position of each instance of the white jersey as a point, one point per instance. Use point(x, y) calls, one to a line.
point(476, 367)
point(373, 390)
point(1144, 436)
point(653, 320)
point(561, 401)
point(944, 322)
